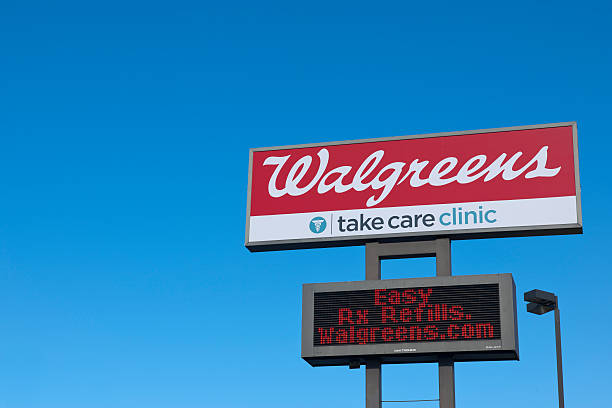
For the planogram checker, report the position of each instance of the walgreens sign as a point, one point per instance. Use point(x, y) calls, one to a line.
point(496, 182)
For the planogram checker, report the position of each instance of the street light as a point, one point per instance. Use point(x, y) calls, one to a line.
point(541, 302)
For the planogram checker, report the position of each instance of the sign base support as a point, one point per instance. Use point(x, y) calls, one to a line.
point(373, 385)
point(441, 250)
point(446, 374)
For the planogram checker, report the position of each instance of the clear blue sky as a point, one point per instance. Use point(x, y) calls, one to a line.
point(124, 136)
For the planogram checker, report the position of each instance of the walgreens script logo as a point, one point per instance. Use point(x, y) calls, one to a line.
point(521, 164)
point(394, 174)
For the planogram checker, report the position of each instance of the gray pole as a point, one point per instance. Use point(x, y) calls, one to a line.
point(441, 249)
point(446, 365)
point(373, 386)
point(559, 362)
point(373, 368)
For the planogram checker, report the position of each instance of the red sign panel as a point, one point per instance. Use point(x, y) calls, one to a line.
point(308, 194)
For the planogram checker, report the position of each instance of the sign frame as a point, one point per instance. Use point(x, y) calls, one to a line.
point(505, 348)
point(473, 233)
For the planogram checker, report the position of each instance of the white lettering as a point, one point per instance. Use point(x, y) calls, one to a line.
point(386, 184)
point(541, 171)
point(416, 168)
point(337, 183)
point(464, 174)
point(469, 172)
point(278, 162)
point(439, 170)
point(302, 165)
point(360, 176)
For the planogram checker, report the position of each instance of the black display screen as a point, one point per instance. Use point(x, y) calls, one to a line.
point(407, 315)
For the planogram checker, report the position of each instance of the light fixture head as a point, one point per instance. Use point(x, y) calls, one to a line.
point(538, 309)
point(541, 297)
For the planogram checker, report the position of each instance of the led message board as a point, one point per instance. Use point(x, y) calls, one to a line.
point(410, 320)
point(481, 183)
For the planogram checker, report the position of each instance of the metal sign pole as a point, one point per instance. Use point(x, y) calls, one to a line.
point(446, 365)
point(373, 368)
point(373, 385)
point(441, 249)
point(559, 362)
